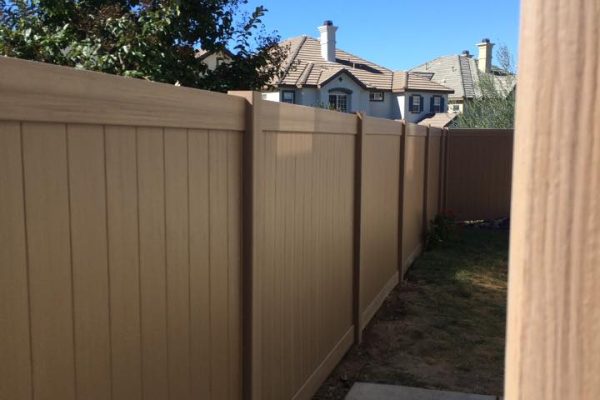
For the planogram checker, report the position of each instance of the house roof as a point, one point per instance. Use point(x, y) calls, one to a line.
point(408, 81)
point(305, 67)
point(460, 73)
point(439, 120)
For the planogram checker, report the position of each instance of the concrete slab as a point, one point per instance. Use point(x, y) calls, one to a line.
point(373, 391)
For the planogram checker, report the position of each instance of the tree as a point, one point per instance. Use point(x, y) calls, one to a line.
point(494, 106)
point(149, 39)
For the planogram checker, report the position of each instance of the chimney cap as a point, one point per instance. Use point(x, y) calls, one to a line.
point(466, 53)
point(328, 22)
point(485, 40)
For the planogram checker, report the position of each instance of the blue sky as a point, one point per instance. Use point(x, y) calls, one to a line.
point(400, 34)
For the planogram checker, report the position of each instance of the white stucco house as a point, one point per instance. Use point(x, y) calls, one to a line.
point(213, 59)
point(319, 74)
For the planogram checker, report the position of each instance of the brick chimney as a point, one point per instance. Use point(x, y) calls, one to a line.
point(485, 55)
point(328, 41)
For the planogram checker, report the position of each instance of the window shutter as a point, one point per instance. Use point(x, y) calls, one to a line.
point(431, 104)
point(422, 107)
point(410, 103)
point(442, 109)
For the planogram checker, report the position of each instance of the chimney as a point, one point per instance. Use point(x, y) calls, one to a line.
point(328, 41)
point(485, 55)
point(466, 53)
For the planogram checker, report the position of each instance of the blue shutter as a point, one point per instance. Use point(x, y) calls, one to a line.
point(410, 103)
point(431, 103)
point(442, 109)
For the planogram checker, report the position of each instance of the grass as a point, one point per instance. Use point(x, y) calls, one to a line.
point(443, 328)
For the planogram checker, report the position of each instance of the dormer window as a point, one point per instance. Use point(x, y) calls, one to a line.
point(415, 104)
point(437, 104)
point(376, 96)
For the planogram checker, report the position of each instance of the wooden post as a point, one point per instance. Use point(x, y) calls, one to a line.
point(252, 238)
point(553, 347)
point(358, 204)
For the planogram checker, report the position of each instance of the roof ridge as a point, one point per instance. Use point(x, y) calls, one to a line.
point(462, 81)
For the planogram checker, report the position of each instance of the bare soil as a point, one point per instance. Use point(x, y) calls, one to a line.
point(443, 327)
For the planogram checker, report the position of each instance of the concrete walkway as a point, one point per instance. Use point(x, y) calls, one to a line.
point(372, 391)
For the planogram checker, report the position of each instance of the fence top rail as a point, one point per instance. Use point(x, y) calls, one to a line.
point(33, 91)
point(291, 118)
point(416, 130)
point(382, 126)
point(479, 131)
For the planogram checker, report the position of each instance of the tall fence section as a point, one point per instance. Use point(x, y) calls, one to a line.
point(161, 242)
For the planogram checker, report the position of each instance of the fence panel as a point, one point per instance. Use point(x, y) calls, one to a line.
point(306, 250)
point(380, 240)
point(434, 174)
point(479, 173)
point(415, 144)
point(128, 237)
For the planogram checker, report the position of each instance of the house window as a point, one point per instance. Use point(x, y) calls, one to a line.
point(415, 104)
point(436, 104)
point(288, 96)
point(339, 102)
point(220, 60)
point(376, 96)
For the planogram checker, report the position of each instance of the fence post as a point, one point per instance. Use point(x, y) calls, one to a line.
point(252, 211)
point(553, 342)
point(426, 185)
point(401, 202)
point(442, 170)
point(359, 161)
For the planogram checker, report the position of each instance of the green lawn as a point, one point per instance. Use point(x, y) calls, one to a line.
point(443, 328)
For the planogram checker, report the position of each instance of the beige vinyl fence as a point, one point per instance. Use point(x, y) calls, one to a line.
point(162, 242)
point(479, 173)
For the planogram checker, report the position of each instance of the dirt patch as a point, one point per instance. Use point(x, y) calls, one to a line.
point(443, 328)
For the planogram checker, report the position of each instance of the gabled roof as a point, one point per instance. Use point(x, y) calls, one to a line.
point(306, 68)
point(460, 73)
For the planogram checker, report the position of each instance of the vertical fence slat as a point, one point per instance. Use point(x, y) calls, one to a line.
point(90, 260)
point(199, 214)
point(178, 273)
point(49, 251)
point(234, 190)
point(151, 200)
point(123, 260)
point(15, 351)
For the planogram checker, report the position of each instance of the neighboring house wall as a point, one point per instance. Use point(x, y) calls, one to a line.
point(393, 106)
point(388, 108)
point(214, 59)
point(358, 97)
point(415, 117)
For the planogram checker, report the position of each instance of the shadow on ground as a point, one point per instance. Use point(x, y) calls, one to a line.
point(443, 328)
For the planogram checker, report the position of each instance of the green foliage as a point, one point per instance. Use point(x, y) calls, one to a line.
point(148, 39)
point(495, 107)
point(441, 229)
